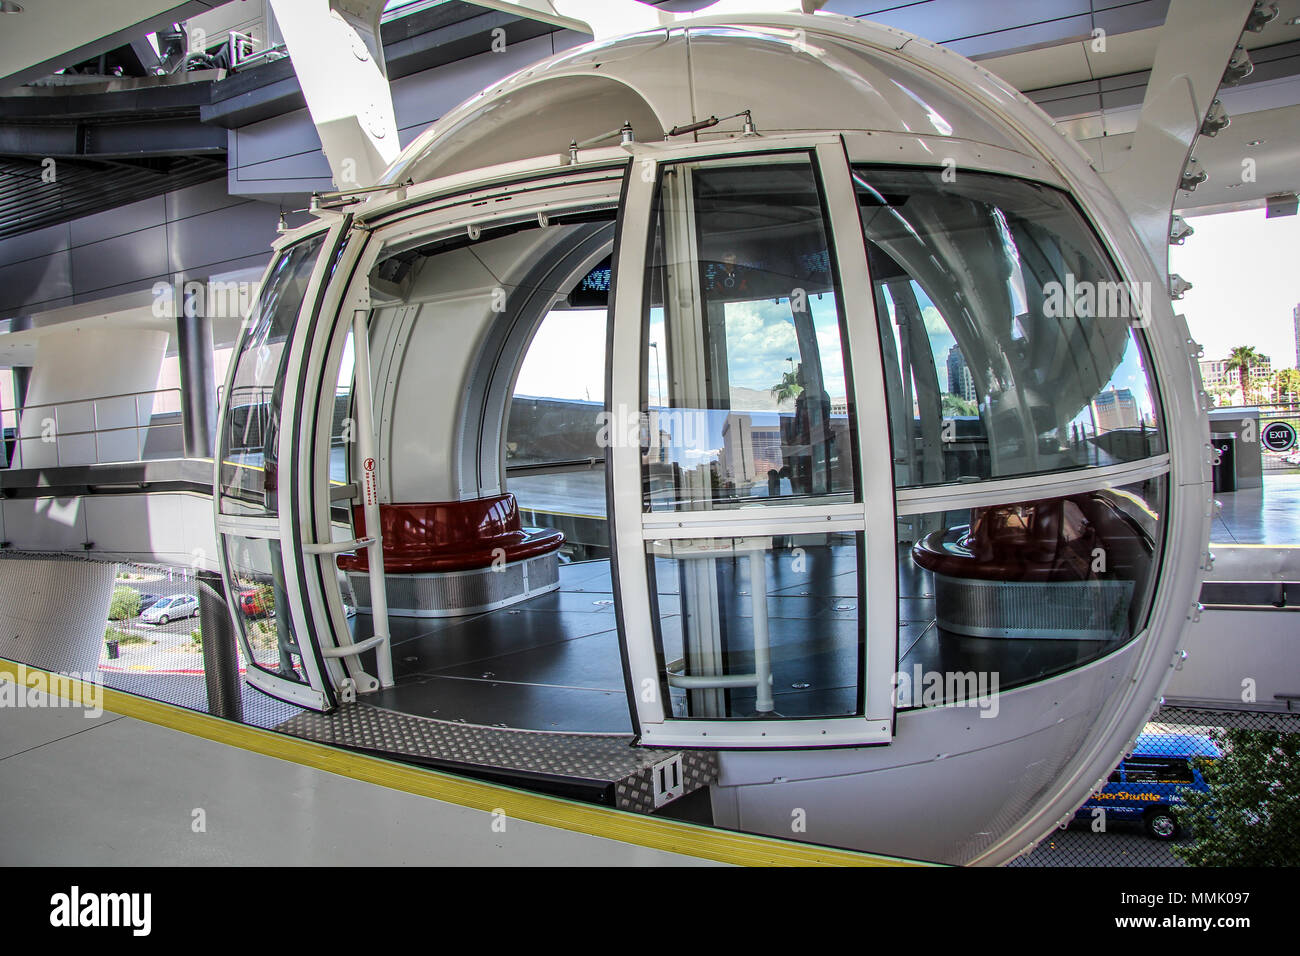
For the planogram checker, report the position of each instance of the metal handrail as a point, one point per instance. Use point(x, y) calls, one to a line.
point(58, 434)
point(554, 467)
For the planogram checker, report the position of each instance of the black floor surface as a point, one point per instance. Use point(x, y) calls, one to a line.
point(553, 662)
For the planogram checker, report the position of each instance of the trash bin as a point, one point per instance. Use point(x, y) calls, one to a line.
point(112, 650)
point(1225, 472)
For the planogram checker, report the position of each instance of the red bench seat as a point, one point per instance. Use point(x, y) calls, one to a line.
point(1049, 540)
point(441, 536)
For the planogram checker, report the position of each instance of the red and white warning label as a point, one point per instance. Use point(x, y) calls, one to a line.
point(370, 487)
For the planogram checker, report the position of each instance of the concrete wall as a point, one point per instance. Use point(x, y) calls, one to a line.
point(159, 528)
point(1240, 657)
point(60, 426)
point(197, 232)
point(1248, 459)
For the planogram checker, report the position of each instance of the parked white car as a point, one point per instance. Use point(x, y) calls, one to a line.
point(170, 608)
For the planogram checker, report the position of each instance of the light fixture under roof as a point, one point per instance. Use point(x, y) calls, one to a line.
point(1257, 142)
point(8, 6)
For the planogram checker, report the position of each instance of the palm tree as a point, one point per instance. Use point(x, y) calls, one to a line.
point(954, 405)
point(788, 388)
point(1243, 358)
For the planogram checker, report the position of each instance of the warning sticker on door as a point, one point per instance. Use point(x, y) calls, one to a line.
point(370, 488)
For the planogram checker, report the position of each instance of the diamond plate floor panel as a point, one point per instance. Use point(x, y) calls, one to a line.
point(604, 758)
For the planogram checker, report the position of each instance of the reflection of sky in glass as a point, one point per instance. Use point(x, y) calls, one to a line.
point(1129, 376)
point(657, 371)
point(761, 338)
point(941, 340)
point(1016, 281)
point(761, 343)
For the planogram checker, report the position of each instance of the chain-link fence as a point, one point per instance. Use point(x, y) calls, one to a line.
point(1200, 788)
point(153, 643)
point(1277, 456)
point(152, 640)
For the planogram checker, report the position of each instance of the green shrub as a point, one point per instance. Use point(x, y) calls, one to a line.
point(196, 638)
point(124, 604)
point(124, 637)
point(1250, 816)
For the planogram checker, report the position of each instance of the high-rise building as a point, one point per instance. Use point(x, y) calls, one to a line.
point(960, 381)
point(738, 448)
point(1115, 408)
point(1295, 318)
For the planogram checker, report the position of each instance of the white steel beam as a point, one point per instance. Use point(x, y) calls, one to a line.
point(1195, 45)
point(335, 48)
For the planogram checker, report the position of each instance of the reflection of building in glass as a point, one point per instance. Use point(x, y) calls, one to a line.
point(766, 440)
point(960, 381)
point(656, 439)
point(1115, 408)
point(749, 451)
point(738, 449)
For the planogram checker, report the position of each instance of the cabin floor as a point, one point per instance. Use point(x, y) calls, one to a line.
point(549, 663)
point(552, 663)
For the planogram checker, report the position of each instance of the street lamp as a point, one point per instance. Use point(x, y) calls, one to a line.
point(659, 387)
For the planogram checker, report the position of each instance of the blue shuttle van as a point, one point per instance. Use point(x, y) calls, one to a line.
point(1146, 785)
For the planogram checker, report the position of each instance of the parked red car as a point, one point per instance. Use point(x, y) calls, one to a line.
point(252, 601)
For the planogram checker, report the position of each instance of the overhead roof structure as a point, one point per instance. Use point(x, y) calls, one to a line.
point(44, 35)
point(122, 141)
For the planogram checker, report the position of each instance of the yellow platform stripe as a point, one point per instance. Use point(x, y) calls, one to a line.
point(655, 833)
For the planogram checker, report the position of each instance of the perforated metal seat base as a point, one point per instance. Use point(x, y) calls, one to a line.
point(1068, 610)
point(456, 593)
point(608, 761)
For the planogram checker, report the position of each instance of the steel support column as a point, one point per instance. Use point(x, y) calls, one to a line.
point(220, 655)
point(198, 385)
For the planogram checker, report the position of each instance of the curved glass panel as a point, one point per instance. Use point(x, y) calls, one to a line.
point(762, 626)
point(1011, 346)
point(746, 394)
point(262, 606)
point(998, 596)
point(247, 483)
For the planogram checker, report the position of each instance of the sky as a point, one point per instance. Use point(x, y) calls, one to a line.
point(1245, 270)
point(567, 356)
